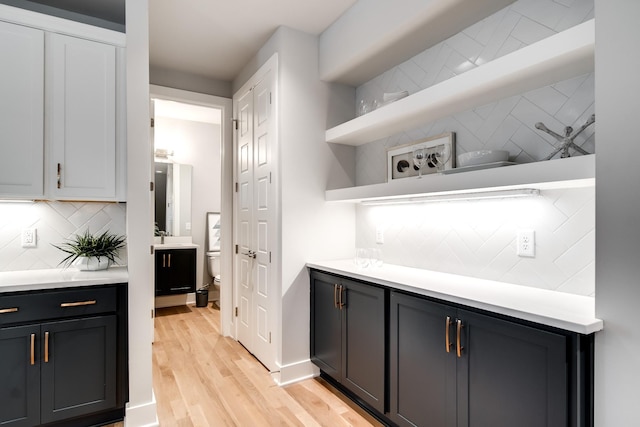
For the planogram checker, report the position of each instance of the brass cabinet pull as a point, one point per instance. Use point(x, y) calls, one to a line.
point(164, 261)
point(78, 304)
point(459, 346)
point(447, 337)
point(46, 347)
point(33, 349)
point(59, 175)
point(335, 295)
point(8, 310)
point(341, 304)
point(169, 261)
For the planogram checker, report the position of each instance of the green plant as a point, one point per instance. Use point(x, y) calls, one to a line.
point(88, 245)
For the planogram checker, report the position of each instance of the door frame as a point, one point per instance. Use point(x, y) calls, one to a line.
point(226, 204)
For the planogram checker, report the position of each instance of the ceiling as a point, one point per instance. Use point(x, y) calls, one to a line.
point(213, 39)
point(216, 38)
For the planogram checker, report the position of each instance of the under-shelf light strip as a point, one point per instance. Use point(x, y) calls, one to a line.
point(481, 195)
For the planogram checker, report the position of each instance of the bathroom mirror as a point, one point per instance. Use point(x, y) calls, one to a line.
point(172, 199)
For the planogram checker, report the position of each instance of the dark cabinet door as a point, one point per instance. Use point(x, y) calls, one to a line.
point(510, 374)
point(78, 367)
point(19, 376)
point(175, 271)
point(326, 324)
point(348, 335)
point(363, 342)
point(422, 367)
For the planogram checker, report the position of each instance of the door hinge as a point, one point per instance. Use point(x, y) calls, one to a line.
point(269, 337)
point(269, 257)
point(236, 311)
point(269, 177)
point(236, 187)
point(152, 316)
point(235, 123)
point(151, 185)
point(269, 98)
point(151, 249)
point(153, 122)
point(236, 249)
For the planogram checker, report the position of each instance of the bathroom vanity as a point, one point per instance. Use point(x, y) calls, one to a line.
point(418, 348)
point(175, 268)
point(63, 347)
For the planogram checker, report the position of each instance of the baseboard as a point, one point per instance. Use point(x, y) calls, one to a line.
point(295, 372)
point(144, 415)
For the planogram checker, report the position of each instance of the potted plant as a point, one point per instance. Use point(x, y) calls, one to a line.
point(90, 252)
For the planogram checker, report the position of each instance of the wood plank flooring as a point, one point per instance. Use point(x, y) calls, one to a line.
point(202, 379)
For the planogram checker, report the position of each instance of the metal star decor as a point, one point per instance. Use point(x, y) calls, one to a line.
point(566, 141)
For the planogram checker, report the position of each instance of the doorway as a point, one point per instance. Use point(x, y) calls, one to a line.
point(211, 174)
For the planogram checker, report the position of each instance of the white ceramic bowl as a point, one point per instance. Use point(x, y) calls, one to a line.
point(482, 157)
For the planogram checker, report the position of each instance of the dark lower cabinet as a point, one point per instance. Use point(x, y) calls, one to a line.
point(348, 336)
point(175, 271)
point(456, 368)
point(67, 371)
point(447, 365)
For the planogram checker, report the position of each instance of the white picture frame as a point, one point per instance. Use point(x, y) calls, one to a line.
point(400, 159)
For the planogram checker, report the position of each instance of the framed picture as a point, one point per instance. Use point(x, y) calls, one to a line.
point(400, 162)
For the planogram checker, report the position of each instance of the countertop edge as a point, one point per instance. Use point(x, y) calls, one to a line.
point(569, 312)
point(33, 280)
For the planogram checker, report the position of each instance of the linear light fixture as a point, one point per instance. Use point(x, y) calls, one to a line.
point(479, 195)
point(17, 201)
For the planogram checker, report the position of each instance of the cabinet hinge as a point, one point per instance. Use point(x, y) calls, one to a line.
point(236, 311)
point(153, 122)
point(151, 186)
point(235, 123)
point(236, 249)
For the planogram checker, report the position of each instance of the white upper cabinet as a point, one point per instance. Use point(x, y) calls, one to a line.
point(62, 112)
point(81, 124)
point(21, 111)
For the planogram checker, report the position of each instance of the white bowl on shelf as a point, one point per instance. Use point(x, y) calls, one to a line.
point(482, 157)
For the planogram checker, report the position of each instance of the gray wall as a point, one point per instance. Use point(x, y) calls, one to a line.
point(617, 212)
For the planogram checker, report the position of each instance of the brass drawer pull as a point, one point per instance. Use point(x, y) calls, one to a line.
point(33, 349)
point(459, 346)
point(447, 338)
point(335, 296)
point(59, 176)
point(8, 310)
point(78, 304)
point(46, 347)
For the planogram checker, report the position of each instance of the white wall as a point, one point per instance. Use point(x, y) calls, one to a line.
point(617, 373)
point(141, 409)
point(310, 229)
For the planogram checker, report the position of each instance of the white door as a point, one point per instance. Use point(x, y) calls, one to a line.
point(255, 212)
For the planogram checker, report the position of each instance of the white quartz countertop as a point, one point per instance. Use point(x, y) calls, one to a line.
point(27, 280)
point(570, 312)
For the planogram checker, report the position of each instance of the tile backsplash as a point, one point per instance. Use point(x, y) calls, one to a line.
point(478, 238)
point(54, 222)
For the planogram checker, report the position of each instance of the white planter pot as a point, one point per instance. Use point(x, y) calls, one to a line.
point(91, 263)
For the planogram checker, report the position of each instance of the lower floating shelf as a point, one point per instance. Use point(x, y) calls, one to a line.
point(571, 172)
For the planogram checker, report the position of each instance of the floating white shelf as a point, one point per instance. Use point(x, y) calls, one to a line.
point(559, 57)
point(560, 173)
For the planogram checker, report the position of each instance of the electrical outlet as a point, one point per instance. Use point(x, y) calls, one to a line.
point(526, 243)
point(29, 239)
point(379, 235)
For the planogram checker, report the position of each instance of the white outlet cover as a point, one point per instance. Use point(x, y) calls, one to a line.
point(379, 235)
point(526, 243)
point(29, 238)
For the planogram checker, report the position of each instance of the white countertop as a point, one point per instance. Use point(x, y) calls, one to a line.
point(27, 280)
point(174, 245)
point(570, 312)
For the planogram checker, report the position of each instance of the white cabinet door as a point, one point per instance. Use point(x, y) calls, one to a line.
point(21, 111)
point(81, 118)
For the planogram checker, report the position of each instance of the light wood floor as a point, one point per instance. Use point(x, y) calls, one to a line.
point(202, 379)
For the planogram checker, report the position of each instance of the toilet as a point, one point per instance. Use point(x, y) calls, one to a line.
point(213, 265)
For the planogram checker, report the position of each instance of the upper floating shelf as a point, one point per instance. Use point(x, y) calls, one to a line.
point(560, 173)
point(559, 57)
